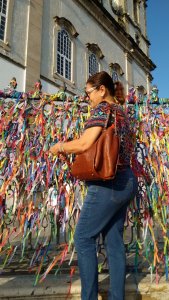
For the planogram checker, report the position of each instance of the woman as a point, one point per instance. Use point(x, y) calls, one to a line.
point(105, 206)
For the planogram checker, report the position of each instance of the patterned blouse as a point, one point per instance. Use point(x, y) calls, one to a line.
point(99, 116)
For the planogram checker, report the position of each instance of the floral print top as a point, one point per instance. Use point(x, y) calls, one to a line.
point(99, 116)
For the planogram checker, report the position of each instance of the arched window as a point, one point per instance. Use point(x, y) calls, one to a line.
point(93, 64)
point(64, 63)
point(115, 76)
point(116, 72)
point(141, 92)
point(94, 56)
point(64, 54)
point(3, 13)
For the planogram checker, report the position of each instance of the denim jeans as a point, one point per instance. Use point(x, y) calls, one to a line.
point(104, 211)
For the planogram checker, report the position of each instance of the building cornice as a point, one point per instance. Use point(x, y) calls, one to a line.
point(140, 56)
point(117, 32)
point(136, 26)
point(5, 46)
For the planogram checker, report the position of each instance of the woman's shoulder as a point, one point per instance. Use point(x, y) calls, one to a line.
point(101, 108)
point(98, 116)
point(104, 107)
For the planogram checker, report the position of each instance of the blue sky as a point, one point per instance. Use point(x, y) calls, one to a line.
point(158, 34)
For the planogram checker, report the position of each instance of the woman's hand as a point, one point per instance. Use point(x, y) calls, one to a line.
point(77, 146)
point(55, 149)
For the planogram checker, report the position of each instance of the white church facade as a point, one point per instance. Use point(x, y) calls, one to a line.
point(62, 42)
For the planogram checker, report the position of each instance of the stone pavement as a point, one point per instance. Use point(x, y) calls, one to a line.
point(57, 287)
point(16, 282)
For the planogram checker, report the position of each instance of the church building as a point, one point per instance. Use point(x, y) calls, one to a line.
point(63, 42)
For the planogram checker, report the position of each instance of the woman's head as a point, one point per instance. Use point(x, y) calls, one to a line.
point(119, 92)
point(13, 83)
point(100, 87)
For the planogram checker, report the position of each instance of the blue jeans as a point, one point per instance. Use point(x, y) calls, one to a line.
point(104, 211)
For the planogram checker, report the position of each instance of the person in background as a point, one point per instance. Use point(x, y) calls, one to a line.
point(37, 92)
point(11, 88)
point(105, 205)
point(119, 92)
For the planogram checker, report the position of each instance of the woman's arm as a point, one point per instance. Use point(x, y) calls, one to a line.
point(80, 145)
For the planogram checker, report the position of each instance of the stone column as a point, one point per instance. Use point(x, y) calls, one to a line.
point(34, 34)
point(149, 80)
point(128, 71)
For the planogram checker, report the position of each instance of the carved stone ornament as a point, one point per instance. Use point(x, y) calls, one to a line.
point(95, 49)
point(141, 89)
point(116, 67)
point(62, 22)
point(121, 22)
point(116, 7)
